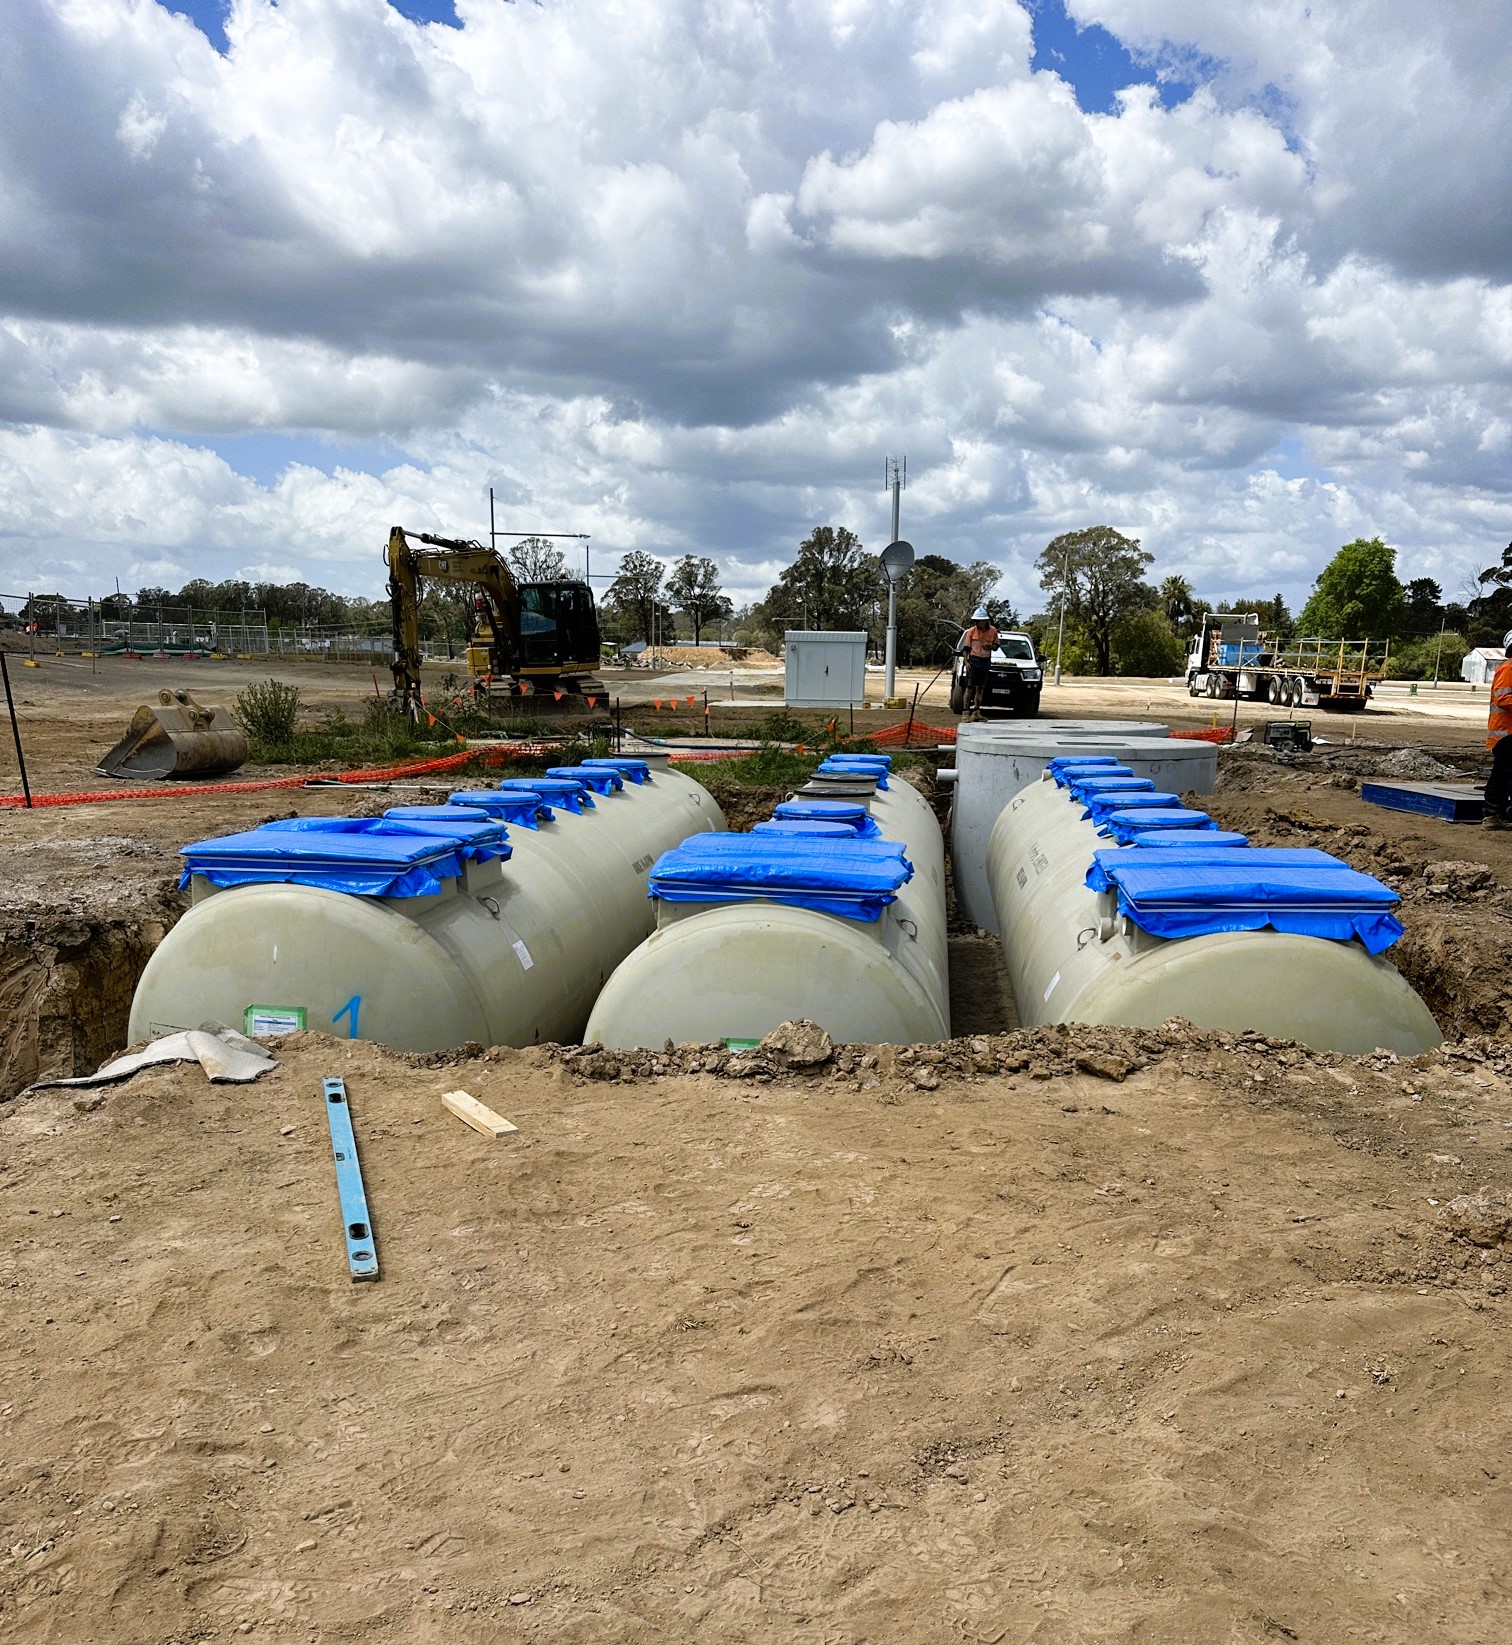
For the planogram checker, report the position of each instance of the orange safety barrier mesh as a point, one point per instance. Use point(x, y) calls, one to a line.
point(1208, 734)
point(365, 774)
point(911, 733)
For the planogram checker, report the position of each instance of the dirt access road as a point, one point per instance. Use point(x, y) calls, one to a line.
point(1064, 1336)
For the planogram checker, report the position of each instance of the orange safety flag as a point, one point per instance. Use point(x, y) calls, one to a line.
point(430, 719)
point(656, 704)
point(691, 701)
point(526, 688)
point(559, 695)
point(592, 702)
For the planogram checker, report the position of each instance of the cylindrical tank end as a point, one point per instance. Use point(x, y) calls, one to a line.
point(1331, 996)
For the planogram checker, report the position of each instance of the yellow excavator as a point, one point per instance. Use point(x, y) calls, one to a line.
point(523, 637)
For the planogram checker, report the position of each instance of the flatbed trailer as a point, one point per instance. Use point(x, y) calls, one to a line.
point(1231, 658)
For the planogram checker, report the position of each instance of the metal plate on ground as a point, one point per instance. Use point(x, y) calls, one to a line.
point(356, 1224)
point(1450, 802)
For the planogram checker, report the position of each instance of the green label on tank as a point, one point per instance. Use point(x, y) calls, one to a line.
point(741, 1045)
point(263, 1021)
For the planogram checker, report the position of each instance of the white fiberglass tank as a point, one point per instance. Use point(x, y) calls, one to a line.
point(991, 768)
point(1075, 953)
point(733, 970)
point(463, 947)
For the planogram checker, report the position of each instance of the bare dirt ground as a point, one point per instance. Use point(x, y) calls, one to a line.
point(1057, 1335)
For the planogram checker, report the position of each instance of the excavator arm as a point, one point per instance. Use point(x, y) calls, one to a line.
point(448, 560)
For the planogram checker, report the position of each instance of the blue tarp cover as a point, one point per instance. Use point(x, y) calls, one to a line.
point(517, 805)
point(855, 765)
point(1082, 787)
point(1075, 770)
point(1127, 826)
point(372, 864)
point(856, 818)
point(1184, 848)
point(854, 879)
point(479, 838)
point(638, 771)
point(599, 778)
point(882, 760)
point(568, 793)
point(1243, 892)
point(1177, 839)
point(1150, 799)
point(1062, 761)
point(797, 825)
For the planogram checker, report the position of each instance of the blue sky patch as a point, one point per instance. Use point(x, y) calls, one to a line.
point(209, 16)
point(1093, 62)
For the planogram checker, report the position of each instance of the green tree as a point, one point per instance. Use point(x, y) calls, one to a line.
point(1425, 606)
point(935, 602)
point(834, 583)
point(694, 588)
point(1179, 604)
point(537, 560)
point(1145, 644)
point(1099, 574)
point(635, 595)
point(1357, 596)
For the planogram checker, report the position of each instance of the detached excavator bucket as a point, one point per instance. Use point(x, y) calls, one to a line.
point(177, 738)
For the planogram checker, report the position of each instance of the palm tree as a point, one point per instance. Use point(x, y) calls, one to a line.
point(1179, 604)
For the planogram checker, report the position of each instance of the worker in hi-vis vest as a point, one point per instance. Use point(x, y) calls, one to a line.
point(1498, 808)
point(977, 645)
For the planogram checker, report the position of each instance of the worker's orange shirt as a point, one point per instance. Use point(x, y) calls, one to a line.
point(983, 642)
point(1501, 704)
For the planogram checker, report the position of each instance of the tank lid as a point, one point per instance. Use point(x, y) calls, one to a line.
point(384, 861)
point(855, 879)
point(1067, 771)
point(516, 805)
point(829, 772)
point(1082, 786)
point(1248, 890)
point(1167, 840)
point(1129, 826)
point(599, 778)
point(481, 838)
point(837, 791)
point(857, 820)
point(883, 760)
point(568, 792)
point(801, 825)
point(638, 771)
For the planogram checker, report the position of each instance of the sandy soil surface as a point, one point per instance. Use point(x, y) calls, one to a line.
point(1062, 1335)
point(1081, 1336)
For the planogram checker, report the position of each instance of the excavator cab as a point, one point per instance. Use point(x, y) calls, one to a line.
point(559, 630)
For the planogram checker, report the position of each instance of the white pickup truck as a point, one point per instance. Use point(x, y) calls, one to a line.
point(1014, 678)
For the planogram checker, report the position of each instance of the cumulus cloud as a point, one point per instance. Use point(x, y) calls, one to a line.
point(680, 274)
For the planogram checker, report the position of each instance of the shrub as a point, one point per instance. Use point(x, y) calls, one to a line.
point(267, 713)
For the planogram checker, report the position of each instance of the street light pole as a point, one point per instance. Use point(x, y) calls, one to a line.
point(1060, 632)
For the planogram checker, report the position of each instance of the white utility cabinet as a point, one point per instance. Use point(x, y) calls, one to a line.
point(826, 668)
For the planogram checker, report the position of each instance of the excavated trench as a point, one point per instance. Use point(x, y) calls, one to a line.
point(84, 916)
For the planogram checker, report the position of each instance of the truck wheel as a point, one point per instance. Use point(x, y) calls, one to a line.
point(958, 698)
point(1294, 693)
point(1276, 690)
point(1027, 707)
point(1214, 685)
point(1191, 685)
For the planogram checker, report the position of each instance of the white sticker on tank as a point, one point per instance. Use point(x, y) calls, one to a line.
point(1050, 986)
point(524, 953)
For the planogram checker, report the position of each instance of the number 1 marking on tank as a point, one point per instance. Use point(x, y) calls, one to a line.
point(352, 1007)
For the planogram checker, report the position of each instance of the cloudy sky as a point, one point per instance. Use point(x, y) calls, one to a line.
point(683, 273)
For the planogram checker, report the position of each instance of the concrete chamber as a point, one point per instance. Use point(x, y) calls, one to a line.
point(994, 762)
point(496, 921)
point(1078, 952)
point(733, 967)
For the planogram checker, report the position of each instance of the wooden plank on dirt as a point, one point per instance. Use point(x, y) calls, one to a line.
point(472, 1112)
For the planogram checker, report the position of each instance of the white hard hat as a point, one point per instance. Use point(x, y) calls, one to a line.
point(980, 616)
point(1507, 641)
